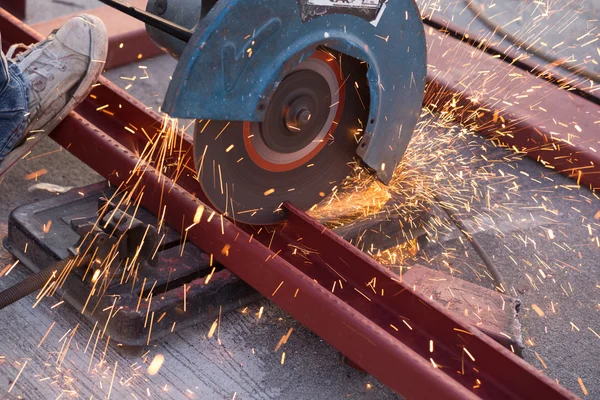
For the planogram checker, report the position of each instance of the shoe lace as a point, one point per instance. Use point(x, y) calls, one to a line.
point(12, 49)
point(36, 53)
point(40, 54)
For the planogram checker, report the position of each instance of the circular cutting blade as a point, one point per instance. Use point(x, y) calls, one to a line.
point(299, 153)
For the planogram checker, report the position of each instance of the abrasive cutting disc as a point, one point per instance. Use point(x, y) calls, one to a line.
point(299, 153)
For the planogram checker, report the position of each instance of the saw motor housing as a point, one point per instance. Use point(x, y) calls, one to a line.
point(241, 50)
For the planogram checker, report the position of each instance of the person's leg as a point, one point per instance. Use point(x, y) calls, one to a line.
point(43, 84)
point(14, 98)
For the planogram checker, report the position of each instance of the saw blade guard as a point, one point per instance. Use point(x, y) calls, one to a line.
point(242, 49)
point(300, 152)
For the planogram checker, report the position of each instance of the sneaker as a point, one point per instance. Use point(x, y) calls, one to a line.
point(60, 72)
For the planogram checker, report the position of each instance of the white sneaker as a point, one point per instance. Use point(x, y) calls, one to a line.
point(60, 72)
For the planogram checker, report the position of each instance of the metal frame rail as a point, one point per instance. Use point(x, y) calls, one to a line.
point(371, 317)
point(16, 7)
point(509, 102)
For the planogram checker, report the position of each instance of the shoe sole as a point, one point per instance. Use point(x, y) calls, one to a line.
point(82, 91)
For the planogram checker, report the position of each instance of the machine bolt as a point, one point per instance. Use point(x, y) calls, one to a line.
point(304, 116)
point(160, 7)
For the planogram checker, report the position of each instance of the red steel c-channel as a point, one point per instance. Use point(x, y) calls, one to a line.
point(371, 317)
point(16, 7)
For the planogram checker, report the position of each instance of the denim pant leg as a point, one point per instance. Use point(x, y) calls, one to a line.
point(14, 99)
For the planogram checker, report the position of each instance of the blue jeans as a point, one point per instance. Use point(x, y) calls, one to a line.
point(14, 100)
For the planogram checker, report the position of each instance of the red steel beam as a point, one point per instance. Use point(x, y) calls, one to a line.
point(374, 319)
point(384, 330)
point(530, 115)
point(566, 77)
point(17, 8)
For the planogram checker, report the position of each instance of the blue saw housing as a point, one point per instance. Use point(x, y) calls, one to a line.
point(242, 49)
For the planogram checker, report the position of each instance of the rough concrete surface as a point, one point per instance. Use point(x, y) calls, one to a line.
point(563, 343)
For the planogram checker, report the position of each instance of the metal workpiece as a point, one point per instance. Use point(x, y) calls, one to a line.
point(355, 320)
point(374, 319)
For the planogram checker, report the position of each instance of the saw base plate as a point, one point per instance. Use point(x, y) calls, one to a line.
point(177, 266)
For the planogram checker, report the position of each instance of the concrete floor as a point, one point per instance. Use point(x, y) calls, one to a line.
point(245, 365)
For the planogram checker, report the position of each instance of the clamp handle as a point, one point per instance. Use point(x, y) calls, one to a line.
point(164, 25)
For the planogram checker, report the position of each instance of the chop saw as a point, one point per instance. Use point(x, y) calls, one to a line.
point(288, 95)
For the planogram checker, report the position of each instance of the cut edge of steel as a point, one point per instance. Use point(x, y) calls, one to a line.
point(361, 335)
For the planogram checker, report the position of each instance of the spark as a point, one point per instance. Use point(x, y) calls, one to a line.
point(112, 380)
point(583, 388)
point(17, 378)
point(273, 295)
point(35, 175)
point(284, 339)
point(150, 330)
point(541, 360)
point(185, 297)
point(573, 326)
point(46, 334)
point(57, 304)
point(96, 275)
point(212, 329)
point(209, 276)
point(469, 354)
point(538, 310)
point(463, 331)
point(11, 267)
point(46, 226)
point(156, 364)
point(225, 250)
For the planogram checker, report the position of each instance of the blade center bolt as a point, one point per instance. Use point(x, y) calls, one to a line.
point(297, 117)
point(304, 116)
